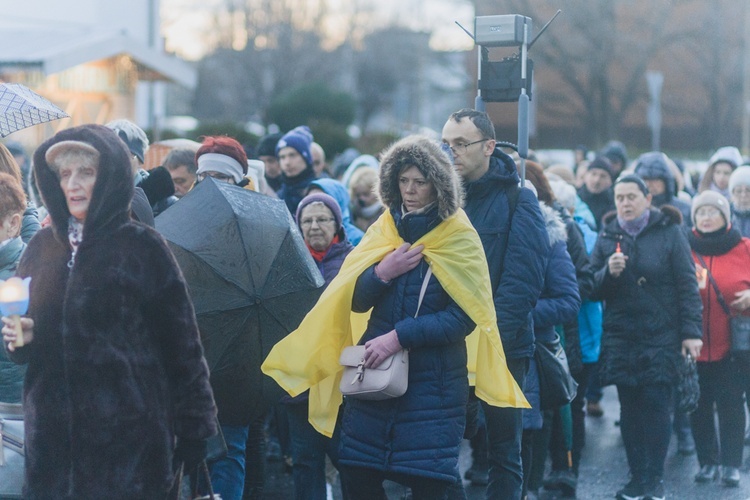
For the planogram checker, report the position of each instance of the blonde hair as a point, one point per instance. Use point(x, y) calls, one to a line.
point(363, 177)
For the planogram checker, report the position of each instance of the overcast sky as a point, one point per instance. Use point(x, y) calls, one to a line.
point(184, 22)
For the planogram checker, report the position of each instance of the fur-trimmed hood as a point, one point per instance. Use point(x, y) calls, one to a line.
point(110, 203)
point(554, 224)
point(669, 215)
point(431, 161)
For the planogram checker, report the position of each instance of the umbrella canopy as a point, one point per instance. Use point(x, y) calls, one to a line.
point(251, 278)
point(21, 107)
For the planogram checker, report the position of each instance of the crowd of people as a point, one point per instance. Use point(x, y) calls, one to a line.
point(434, 247)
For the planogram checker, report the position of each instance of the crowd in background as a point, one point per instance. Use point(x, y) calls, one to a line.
point(629, 265)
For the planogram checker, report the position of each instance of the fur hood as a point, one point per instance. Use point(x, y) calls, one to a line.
point(431, 161)
point(554, 224)
point(670, 215)
point(110, 203)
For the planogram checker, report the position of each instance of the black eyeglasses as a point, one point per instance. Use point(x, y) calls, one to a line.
point(460, 149)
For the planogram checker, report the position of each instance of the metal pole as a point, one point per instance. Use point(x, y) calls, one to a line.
point(523, 110)
point(478, 101)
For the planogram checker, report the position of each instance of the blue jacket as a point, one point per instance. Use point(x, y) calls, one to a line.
point(559, 301)
point(420, 432)
point(524, 245)
point(339, 193)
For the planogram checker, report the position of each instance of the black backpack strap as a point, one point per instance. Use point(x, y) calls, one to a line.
point(512, 194)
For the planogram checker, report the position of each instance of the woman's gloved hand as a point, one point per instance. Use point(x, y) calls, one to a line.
point(379, 348)
point(190, 452)
point(400, 261)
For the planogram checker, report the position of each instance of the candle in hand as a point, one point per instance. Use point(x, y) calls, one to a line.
point(14, 301)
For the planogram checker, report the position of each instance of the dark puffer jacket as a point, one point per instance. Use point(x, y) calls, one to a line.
point(420, 432)
point(116, 367)
point(516, 252)
point(652, 306)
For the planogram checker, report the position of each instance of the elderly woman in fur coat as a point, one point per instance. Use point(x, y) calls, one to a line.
point(116, 371)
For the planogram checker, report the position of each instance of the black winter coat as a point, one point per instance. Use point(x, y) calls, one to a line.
point(652, 306)
point(116, 367)
point(516, 252)
point(599, 204)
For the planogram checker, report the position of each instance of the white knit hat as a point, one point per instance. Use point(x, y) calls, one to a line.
point(728, 154)
point(740, 177)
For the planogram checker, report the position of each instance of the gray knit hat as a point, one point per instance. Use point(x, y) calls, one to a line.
point(713, 199)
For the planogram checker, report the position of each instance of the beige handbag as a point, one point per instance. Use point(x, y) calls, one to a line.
point(389, 380)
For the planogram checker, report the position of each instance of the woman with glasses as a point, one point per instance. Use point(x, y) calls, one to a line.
point(722, 260)
point(222, 158)
point(320, 220)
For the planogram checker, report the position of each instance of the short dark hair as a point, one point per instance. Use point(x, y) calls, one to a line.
point(480, 119)
point(179, 157)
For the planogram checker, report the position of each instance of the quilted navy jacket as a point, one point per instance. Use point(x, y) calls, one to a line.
point(516, 253)
point(419, 432)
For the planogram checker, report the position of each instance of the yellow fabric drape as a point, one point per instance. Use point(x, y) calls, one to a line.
point(308, 357)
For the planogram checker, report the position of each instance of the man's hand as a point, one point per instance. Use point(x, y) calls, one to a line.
point(400, 261)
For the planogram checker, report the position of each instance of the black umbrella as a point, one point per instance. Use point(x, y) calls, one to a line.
point(251, 278)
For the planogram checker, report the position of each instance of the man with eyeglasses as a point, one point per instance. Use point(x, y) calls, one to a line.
point(510, 224)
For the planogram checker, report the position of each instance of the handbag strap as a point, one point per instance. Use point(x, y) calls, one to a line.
point(719, 296)
point(424, 289)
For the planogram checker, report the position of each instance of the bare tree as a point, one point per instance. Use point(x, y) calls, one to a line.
point(591, 64)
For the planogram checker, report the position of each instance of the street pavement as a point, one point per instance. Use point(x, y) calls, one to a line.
point(603, 468)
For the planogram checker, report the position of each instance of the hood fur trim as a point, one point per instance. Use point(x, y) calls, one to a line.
point(110, 200)
point(554, 224)
point(431, 161)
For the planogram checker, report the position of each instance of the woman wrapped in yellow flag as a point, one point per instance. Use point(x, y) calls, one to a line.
point(413, 439)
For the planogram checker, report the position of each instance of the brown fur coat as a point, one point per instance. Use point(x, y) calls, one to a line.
point(116, 367)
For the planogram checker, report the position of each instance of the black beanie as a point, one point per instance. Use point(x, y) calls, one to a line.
point(602, 163)
point(267, 144)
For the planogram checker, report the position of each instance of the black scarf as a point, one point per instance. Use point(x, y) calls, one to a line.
point(715, 243)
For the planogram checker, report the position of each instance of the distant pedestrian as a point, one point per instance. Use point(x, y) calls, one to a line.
point(722, 259)
point(294, 152)
point(596, 191)
point(645, 273)
point(739, 189)
point(720, 167)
